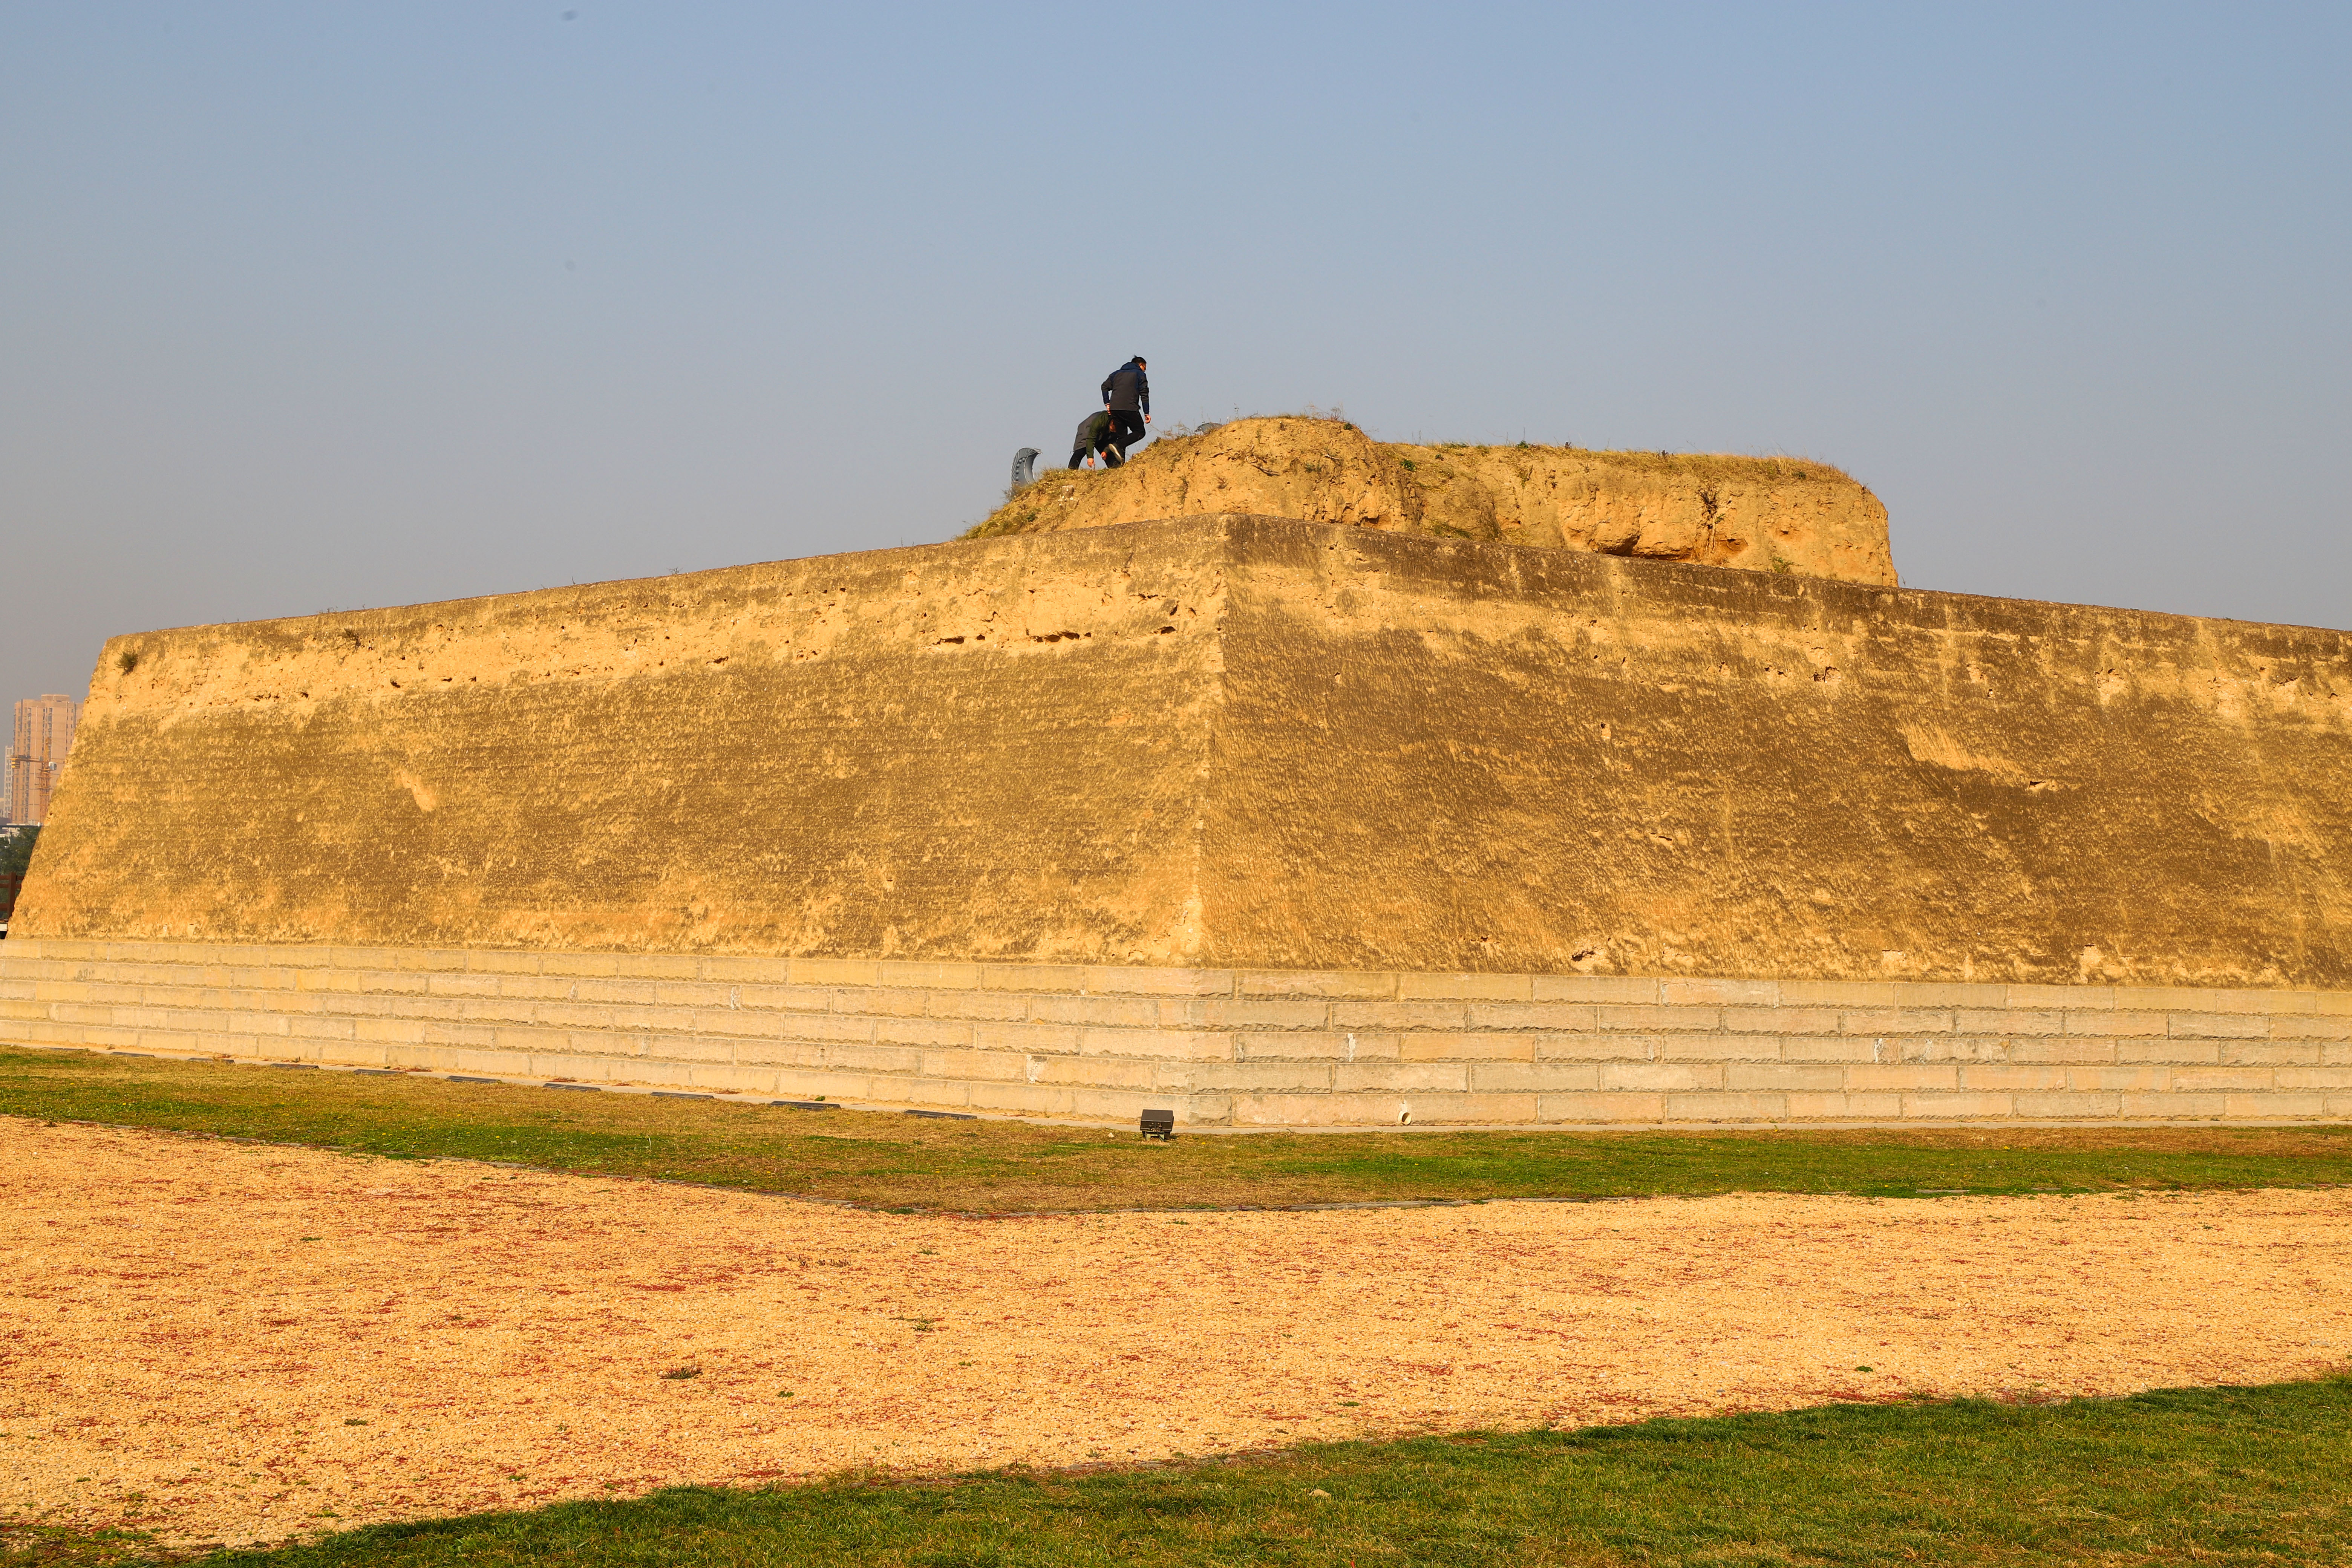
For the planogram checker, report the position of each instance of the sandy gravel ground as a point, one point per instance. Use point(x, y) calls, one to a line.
point(224, 1343)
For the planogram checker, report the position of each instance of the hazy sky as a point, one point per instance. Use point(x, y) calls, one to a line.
point(322, 305)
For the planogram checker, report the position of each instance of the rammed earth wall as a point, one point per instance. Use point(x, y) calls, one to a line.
point(1235, 744)
point(1239, 1048)
point(1275, 822)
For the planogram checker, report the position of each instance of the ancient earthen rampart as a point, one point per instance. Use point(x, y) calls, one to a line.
point(1279, 822)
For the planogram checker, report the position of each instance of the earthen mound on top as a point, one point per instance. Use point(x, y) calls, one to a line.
point(1763, 515)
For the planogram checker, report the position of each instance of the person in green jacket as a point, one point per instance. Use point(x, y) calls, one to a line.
point(1096, 434)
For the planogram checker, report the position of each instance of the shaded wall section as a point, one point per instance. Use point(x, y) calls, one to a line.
point(1236, 743)
point(1442, 755)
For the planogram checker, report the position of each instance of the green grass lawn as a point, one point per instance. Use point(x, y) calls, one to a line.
point(899, 1161)
point(2226, 1476)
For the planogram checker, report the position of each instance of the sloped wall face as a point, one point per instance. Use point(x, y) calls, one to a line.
point(978, 750)
point(1448, 756)
point(1236, 743)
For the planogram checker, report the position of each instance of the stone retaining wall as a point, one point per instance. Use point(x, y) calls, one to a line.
point(1239, 1048)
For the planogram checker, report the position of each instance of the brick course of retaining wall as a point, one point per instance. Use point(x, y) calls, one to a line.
point(1238, 1047)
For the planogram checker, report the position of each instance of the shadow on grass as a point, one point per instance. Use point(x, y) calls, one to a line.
point(2220, 1476)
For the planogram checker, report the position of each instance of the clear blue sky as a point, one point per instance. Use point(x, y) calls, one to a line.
point(322, 305)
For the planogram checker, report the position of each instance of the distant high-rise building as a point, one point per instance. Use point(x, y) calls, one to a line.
point(44, 732)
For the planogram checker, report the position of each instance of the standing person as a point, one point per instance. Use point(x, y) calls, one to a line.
point(1127, 393)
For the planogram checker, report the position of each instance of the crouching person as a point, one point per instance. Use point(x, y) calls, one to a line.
point(1096, 434)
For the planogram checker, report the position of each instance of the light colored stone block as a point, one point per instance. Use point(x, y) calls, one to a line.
point(2071, 1106)
point(998, 1007)
point(1582, 1048)
point(1570, 1015)
point(1959, 1106)
point(2006, 1021)
point(1827, 1048)
point(1474, 1111)
point(2018, 1080)
point(1600, 1108)
point(1906, 1077)
point(1728, 1107)
point(1355, 986)
point(1111, 979)
point(2220, 1025)
point(1259, 1013)
point(1467, 1045)
point(392, 1031)
point(1401, 1078)
point(2172, 1105)
point(2317, 1027)
point(905, 1031)
point(2063, 1051)
point(577, 965)
point(785, 1054)
point(1914, 993)
point(2117, 1079)
point(1468, 987)
point(1039, 1038)
point(1660, 1078)
point(1839, 993)
point(1399, 1016)
point(913, 974)
point(1719, 993)
point(1780, 1020)
point(1785, 1078)
point(1319, 1110)
point(1110, 1072)
point(1659, 1019)
point(494, 961)
point(1620, 988)
point(2275, 1107)
point(1122, 1012)
point(992, 1067)
point(2167, 1049)
point(724, 969)
point(2269, 1052)
point(1255, 1078)
point(2338, 1076)
point(1068, 977)
point(1163, 1045)
point(1534, 1078)
point(1719, 1048)
point(1898, 1021)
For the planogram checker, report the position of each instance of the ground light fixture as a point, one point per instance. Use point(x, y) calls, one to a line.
point(1158, 1124)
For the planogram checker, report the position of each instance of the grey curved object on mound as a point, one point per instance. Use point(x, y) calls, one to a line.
point(1025, 467)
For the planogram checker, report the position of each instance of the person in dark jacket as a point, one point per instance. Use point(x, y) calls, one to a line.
point(1094, 436)
point(1126, 395)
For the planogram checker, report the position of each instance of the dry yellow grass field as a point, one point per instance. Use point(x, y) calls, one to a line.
point(220, 1341)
